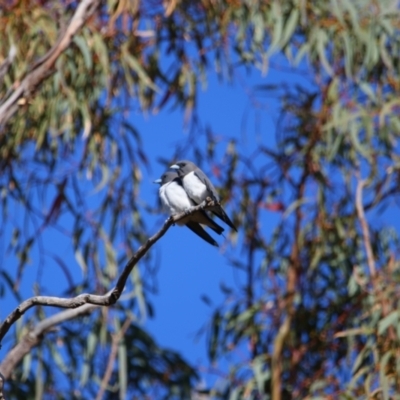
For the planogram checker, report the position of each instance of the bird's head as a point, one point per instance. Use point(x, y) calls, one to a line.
point(167, 177)
point(183, 167)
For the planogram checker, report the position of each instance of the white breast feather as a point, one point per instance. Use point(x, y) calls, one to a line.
point(194, 187)
point(174, 198)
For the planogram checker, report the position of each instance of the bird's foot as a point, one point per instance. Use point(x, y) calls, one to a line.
point(188, 210)
point(210, 202)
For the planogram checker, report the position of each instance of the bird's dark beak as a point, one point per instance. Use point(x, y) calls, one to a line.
point(157, 181)
point(175, 166)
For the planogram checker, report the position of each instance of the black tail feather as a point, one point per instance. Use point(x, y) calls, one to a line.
point(221, 214)
point(213, 225)
point(199, 231)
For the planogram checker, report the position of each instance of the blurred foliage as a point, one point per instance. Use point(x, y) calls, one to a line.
point(310, 321)
point(143, 369)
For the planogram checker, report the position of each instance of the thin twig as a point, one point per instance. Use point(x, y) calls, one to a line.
point(111, 359)
point(364, 228)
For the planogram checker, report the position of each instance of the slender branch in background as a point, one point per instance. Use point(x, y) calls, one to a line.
point(44, 68)
point(109, 298)
point(364, 228)
point(292, 275)
point(279, 342)
point(116, 339)
point(292, 280)
point(252, 247)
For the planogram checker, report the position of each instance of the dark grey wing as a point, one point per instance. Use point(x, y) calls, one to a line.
point(218, 210)
point(198, 230)
point(211, 224)
point(210, 187)
point(221, 214)
point(206, 220)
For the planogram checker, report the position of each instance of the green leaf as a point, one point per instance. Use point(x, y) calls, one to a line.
point(111, 258)
point(384, 379)
point(261, 371)
point(349, 48)
point(321, 43)
point(135, 65)
point(81, 261)
point(277, 32)
point(213, 342)
point(91, 345)
point(392, 319)
point(259, 28)
point(290, 27)
point(85, 50)
point(101, 50)
point(122, 369)
point(58, 359)
point(26, 367)
point(39, 383)
point(354, 129)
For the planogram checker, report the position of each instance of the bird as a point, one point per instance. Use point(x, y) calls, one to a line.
point(175, 200)
point(198, 187)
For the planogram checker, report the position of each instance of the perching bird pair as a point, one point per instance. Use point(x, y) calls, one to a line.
point(187, 186)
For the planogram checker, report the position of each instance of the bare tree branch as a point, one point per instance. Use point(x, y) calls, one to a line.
point(109, 298)
point(43, 69)
point(35, 336)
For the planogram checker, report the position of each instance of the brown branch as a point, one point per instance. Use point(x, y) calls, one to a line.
point(109, 298)
point(364, 228)
point(291, 287)
point(35, 336)
point(113, 355)
point(43, 69)
point(292, 275)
